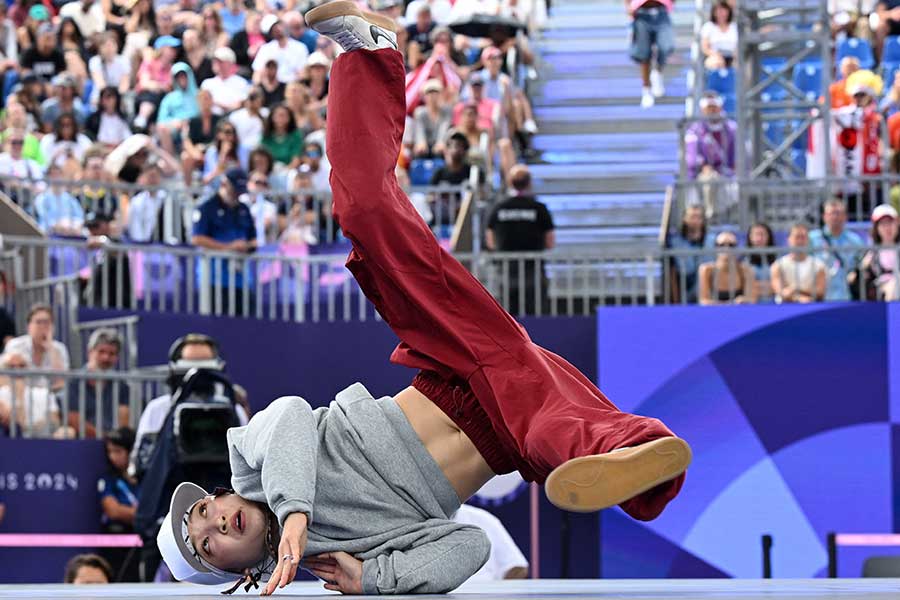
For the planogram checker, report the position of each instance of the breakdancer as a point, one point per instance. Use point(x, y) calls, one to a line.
point(365, 489)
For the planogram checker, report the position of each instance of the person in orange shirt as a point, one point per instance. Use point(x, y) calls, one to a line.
point(838, 89)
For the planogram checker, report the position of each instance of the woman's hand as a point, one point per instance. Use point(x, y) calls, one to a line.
point(341, 572)
point(290, 551)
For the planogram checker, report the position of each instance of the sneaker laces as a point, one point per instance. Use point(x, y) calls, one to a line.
point(348, 39)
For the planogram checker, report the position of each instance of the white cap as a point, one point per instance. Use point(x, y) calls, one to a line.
point(225, 55)
point(175, 546)
point(266, 23)
point(318, 58)
point(883, 210)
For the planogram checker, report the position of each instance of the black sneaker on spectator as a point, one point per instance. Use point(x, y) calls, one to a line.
point(351, 27)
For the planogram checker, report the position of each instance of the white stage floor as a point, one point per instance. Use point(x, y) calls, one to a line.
point(605, 589)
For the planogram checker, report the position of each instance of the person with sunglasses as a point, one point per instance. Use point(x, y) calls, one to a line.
point(726, 280)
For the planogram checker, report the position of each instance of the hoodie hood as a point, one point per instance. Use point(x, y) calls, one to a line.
point(180, 104)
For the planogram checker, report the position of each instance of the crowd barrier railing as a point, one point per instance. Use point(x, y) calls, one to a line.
point(74, 404)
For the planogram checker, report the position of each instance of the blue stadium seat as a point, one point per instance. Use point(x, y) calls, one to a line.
point(774, 131)
point(888, 71)
point(802, 142)
point(721, 80)
point(855, 47)
point(808, 78)
point(799, 159)
point(770, 67)
point(891, 52)
point(730, 103)
point(421, 169)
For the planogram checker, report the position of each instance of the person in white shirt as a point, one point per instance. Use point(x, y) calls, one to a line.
point(227, 88)
point(249, 121)
point(263, 210)
point(38, 347)
point(87, 14)
point(14, 165)
point(440, 10)
point(799, 276)
point(144, 207)
point(26, 401)
point(506, 561)
point(718, 36)
point(290, 54)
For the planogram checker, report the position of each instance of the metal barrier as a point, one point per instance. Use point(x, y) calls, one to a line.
point(49, 403)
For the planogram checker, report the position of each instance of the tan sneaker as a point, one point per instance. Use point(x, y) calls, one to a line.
point(351, 27)
point(592, 483)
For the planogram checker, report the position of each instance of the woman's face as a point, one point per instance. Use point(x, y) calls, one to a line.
point(109, 48)
point(68, 129)
point(182, 80)
point(721, 15)
point(281, 118)
point(228, 531)
point(204, 99)
point(469, 118)
point(40, 327)
point(887, 230)
point(261, 163)
point(108, 101)
point(167, 54)
point(118, 456)
point(758, 237)
point(227, 133)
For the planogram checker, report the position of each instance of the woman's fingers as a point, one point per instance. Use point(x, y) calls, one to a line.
point(273, 581)
point(333, 587)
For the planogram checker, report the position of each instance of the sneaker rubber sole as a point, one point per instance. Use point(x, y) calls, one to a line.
point(344, 8)
point(592, 483)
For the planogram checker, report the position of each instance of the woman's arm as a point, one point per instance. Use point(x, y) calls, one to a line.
point(117, 511)
point(751, 291)
point(777, 284)
point(704, 274)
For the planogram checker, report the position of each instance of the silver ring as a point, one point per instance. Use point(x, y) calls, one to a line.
point(288, 557)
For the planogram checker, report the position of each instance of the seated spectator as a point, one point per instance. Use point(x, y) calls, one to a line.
point(457, 168)
point(246, 44)
point(28, 23)
point(197, 135)
point(261, 160)
point(888, 12)
point(95, 195)
point(799, 276)
point(490, 118)
point(442, 42)
point(299, 101)
point(282, 138)
point(316, 80)
point(108, 284)
point(419, 32)
point(838, 90)
point(108, 124)
point(760, 236)
point(225, 153)
point(154, 79)
point(106, 403)
point(301, 219)
point(521, 223)
point(516, 106)
point(178, 107)
point(850, 18)
point(234, 16)
point(249, 121)
point(145, 207)
point(87, 568)
point(118, 493)
point(692, 235)
point(726, 280)
point(440, 10)
point(22, 176)
point(212, 32)
point(841, 264)
point(196, 56)
point(272, 88)
point(87, 15)
point(297, 29)
point(71, 41)
point(143, 25)
point(290, 54)
point(710, 142)
point(881, 267)
point(18, 117)
point(431, 122)
point(228, 89)
point(718, 37)
point(27, 399)
point(64, 100)
point(108, 68)
point(66, 144)
point(506, 561)
point(44, 58)
point(263, 210)
point(489, 111)
point(58, 212)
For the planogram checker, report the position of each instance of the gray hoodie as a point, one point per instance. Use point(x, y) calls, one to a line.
point(370, 488)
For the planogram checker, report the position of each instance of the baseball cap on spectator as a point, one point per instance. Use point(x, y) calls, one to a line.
point(46, 29)
point(166, 41)
point(318, 58)
point(432, 85)
point(884, 211)
point(459, 136)
point(711, 97)
point(64, 80)
point(490, 52)
point(237, 177)
point(39, 12)
point(476, 79)
point(267, 22)
point(225, 55)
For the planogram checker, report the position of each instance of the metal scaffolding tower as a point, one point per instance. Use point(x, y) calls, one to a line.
point(774, 36)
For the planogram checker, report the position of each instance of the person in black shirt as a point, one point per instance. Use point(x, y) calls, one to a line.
point(420, 31)
point(273, 90)
point(888, 22)
point(456, 171)
point(522, 224)
point(44, 59)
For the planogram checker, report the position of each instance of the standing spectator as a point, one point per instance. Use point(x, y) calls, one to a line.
point(431, 122)
point(145, 207)
point(44, 58)
point(651, 28)
point(718, 36)
point(282, 138)
point(272, 89)
point(290, 54)
point(224, 223)
point(178, 107)
point(692, 235)
point(799, 276)
point(58, 212)
point(118, 493)
point(506, 561)
point(882, 267)
point(726, 280)
point(37, 346)
point(249, 121)
point(196, 56)
point(197, 135)
point(228, 89)
point(108, 68)
point(105, 402)
point(64, 100)
point(87, 568)
point(108, 125)
point(226, 153)
point(842, 284)
point(760, 236)
point(521, 223)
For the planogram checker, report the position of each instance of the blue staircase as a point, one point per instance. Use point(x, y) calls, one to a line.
point(604, 162)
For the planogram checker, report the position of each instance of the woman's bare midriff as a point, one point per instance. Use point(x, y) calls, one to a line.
point(450, 448)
